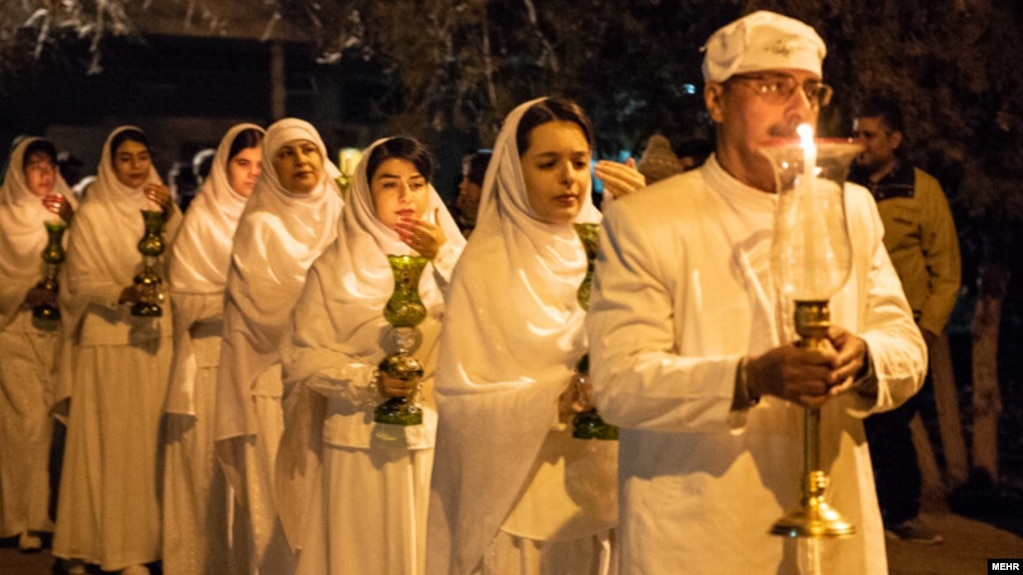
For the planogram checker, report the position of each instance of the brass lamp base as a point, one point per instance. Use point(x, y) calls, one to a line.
point(144, 309)
point(46, 312)
point(814, 518)
point(589, 425)
point(398, 411)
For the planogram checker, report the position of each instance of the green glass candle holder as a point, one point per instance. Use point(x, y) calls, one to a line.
point(404, 311)
point(53, 255)
point(589, 424)
point(588, 235)
point(148, 281)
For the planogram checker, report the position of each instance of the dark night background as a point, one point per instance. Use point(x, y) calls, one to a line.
point(447, 71)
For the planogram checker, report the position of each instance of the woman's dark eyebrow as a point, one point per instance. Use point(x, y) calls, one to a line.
point(397, 177)
point(556, 154)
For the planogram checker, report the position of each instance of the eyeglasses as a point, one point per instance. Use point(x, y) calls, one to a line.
point(779, 88)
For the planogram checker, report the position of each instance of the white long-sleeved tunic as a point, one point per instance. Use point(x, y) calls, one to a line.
point(682, 293)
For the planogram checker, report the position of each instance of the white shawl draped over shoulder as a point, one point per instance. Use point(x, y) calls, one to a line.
point(278, 237)
point(198, 267)
point(22, 234)
point(511, 336)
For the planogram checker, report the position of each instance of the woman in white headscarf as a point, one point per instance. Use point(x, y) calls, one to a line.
point(109, 511)
point(291, 218)
point(32, 192)
point(513, 492)
point(196, 499)
point(370, 510)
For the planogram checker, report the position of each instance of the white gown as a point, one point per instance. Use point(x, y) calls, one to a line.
point(512, 492)
point(279, 236)
point(109, 508)
point(27, 351)
point(367, 513)
point(196, 498)
point(26, 427)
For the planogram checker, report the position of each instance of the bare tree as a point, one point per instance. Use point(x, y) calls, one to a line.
point(634, 64)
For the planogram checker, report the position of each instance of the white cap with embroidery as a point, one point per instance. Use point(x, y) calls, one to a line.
point(762, 41)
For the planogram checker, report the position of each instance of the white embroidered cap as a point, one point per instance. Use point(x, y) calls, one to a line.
point(762, 41)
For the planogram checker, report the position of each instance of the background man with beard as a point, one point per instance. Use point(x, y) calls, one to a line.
point(920, 237)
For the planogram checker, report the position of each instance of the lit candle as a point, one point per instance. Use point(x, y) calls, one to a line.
point(346, 162)
point(805, 132)
point(811, 234)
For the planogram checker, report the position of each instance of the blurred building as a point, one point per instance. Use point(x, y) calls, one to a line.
point(185, 81)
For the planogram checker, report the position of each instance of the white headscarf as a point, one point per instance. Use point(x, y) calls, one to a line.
point(279, 235)
point(356, 281)
point(512, 334)
point(202, 252)
point(108, 227)
point(199, 264)
point(22, 234)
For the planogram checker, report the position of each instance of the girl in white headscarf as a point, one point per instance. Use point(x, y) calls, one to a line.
point(291, 218)
point(513, 492)
point(196, 498)
point(109, 511)
point(32, 192)
point(370, 510)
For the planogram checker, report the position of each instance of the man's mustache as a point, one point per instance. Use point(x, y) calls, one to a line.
point(785, 131)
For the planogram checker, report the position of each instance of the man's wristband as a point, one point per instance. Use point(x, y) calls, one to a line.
point(743, 399)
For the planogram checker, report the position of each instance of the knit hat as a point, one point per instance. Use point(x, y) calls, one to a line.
point(762, 41)
point(658, 160)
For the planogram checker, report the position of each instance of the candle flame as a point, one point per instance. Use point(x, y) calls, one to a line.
point(805, 132)
point(806, 142)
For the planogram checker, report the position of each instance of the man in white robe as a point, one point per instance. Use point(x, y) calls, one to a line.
point(693, 358)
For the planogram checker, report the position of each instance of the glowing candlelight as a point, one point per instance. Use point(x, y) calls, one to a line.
point(805, 132)
point(812, 234)
point(348, 157)
point(346, 163)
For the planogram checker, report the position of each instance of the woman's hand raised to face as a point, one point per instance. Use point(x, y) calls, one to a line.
point(59, 205)
point(620, 179)
point(426, 237)
point(158, 194)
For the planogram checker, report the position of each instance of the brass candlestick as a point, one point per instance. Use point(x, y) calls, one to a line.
point(148, 282)
point(53, 255)
point(348, 159)
point(588, 424)
point(811, 259)
point(404, 311)
point(814, 518)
